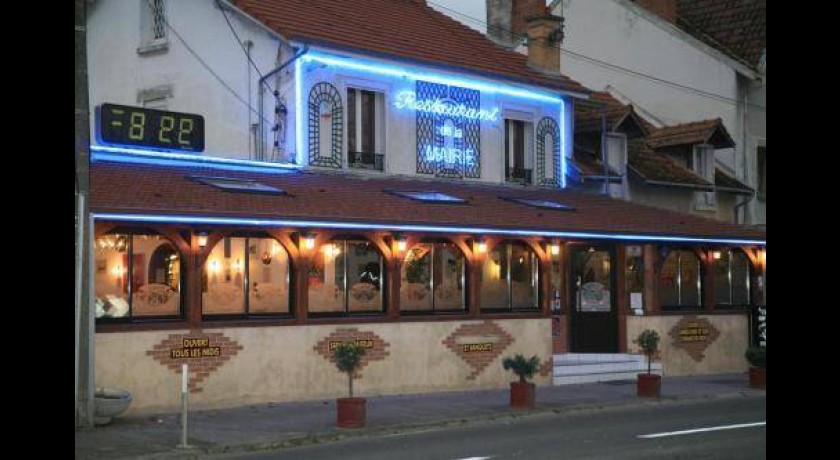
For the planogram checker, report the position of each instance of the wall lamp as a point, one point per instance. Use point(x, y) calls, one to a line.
point(400, 242)
point(554, 248)
point(202, 240)
point(479, 246)
point(307, 241)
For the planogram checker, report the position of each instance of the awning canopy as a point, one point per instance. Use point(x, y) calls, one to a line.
point(175, 193)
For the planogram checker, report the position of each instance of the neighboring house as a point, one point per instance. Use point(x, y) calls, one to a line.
point(271, 178)
point(676, 62)
point(670, 167)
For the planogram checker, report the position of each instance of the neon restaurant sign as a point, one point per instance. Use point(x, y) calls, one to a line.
point(448, 128)
point(443, 107)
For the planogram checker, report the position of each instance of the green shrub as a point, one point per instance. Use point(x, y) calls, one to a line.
point(648, 341)
point(524, 368)
point(348, 356)
point(757, 356)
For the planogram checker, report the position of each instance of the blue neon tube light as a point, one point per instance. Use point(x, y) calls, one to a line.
point(156, 157)
point(210, 220)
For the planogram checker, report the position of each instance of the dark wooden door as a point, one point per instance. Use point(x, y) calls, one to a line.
point(594, 319)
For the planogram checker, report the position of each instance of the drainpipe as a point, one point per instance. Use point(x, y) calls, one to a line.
point(261, 84)
point(604, 150)
point(745, 154)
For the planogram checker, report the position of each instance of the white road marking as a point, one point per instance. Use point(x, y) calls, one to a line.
point(701, 430)
point(474, 458)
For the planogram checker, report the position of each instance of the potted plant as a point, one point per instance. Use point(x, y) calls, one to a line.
point(757, 356)
point(351, 411)
point(648, 385)
point(522, 392)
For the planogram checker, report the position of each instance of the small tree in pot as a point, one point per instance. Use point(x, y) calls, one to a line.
point(522, 393)
point(648, 385)
point(757, 356)
point(351, 411)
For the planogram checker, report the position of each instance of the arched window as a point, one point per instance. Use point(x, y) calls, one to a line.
point(347, 276)
point(246, 276)
point(680, 281)
point(509, 278)
point(136, 276)
point(549, 152)
point(433, 278)
point(732, 278)
point(325, 126)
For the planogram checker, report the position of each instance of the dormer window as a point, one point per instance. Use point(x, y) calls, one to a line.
point(702, 162)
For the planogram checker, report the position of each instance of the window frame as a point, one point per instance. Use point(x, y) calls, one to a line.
point(729, 275)
point(464, 280)
point(528, 149)
point(700, 282)
point(383, 283)
point(149, 42)
point(703, 161)
point(355, 96)
point(246, 289)
point(130, 318)
point(536, 280)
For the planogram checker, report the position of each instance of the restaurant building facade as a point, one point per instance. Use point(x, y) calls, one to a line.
point(397, 180)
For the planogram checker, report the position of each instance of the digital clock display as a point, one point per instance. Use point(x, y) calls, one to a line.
point(136, 126)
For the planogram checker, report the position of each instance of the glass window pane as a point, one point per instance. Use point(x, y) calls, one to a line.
point(268, 275)
point(449, 277)
point(720, 268)
point(364, 277)
point(224, 274)
point(689, 279)
point(740, 278)
point(416, 281)
point(493, 279)
point(523, 277)
point(668, 290)
point(596, 282)
point(368, 121)
point(326, 279)
point(111, 276)
point(156, 276)
point(351, 120)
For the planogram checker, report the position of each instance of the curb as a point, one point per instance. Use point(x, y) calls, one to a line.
point(393, 430)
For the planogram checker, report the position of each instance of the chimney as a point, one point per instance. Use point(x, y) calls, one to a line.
point(666, 9)
point(498, 22)
point(545, 35)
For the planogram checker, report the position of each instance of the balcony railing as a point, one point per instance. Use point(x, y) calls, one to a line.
point(365, 160)
point(519, 175)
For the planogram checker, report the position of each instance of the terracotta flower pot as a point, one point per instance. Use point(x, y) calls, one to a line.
point(758, 377)
point(351, 412)
point(648, 385)
point(522, 395)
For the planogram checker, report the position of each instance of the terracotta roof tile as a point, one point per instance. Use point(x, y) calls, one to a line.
point(697, 132)
point(652, 166)
point(735, 27)
point(407, 29)
point(131, 188)
point(589, 164)
point(729, 183)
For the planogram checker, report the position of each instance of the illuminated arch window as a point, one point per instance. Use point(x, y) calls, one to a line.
point(246, 277)
point(433, 279)
point(347, 276)
point(509, 278)
point(549, 152)
point(325, 126)
point(136, 277)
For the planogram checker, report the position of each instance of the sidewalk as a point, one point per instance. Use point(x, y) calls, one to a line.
point(270, 425)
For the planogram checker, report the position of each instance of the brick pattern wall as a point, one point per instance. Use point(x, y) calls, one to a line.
point(200, 368)
point(695, 348)
point(485, 332)
point(377, 352)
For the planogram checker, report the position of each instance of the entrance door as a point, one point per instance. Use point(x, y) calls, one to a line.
point(594, 322)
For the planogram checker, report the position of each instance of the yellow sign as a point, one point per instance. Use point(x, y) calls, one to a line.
point(332, 344)
point(195, 348)
point(475, 347)
point(693, 332)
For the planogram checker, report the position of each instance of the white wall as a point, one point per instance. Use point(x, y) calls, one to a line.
point(117, 72)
